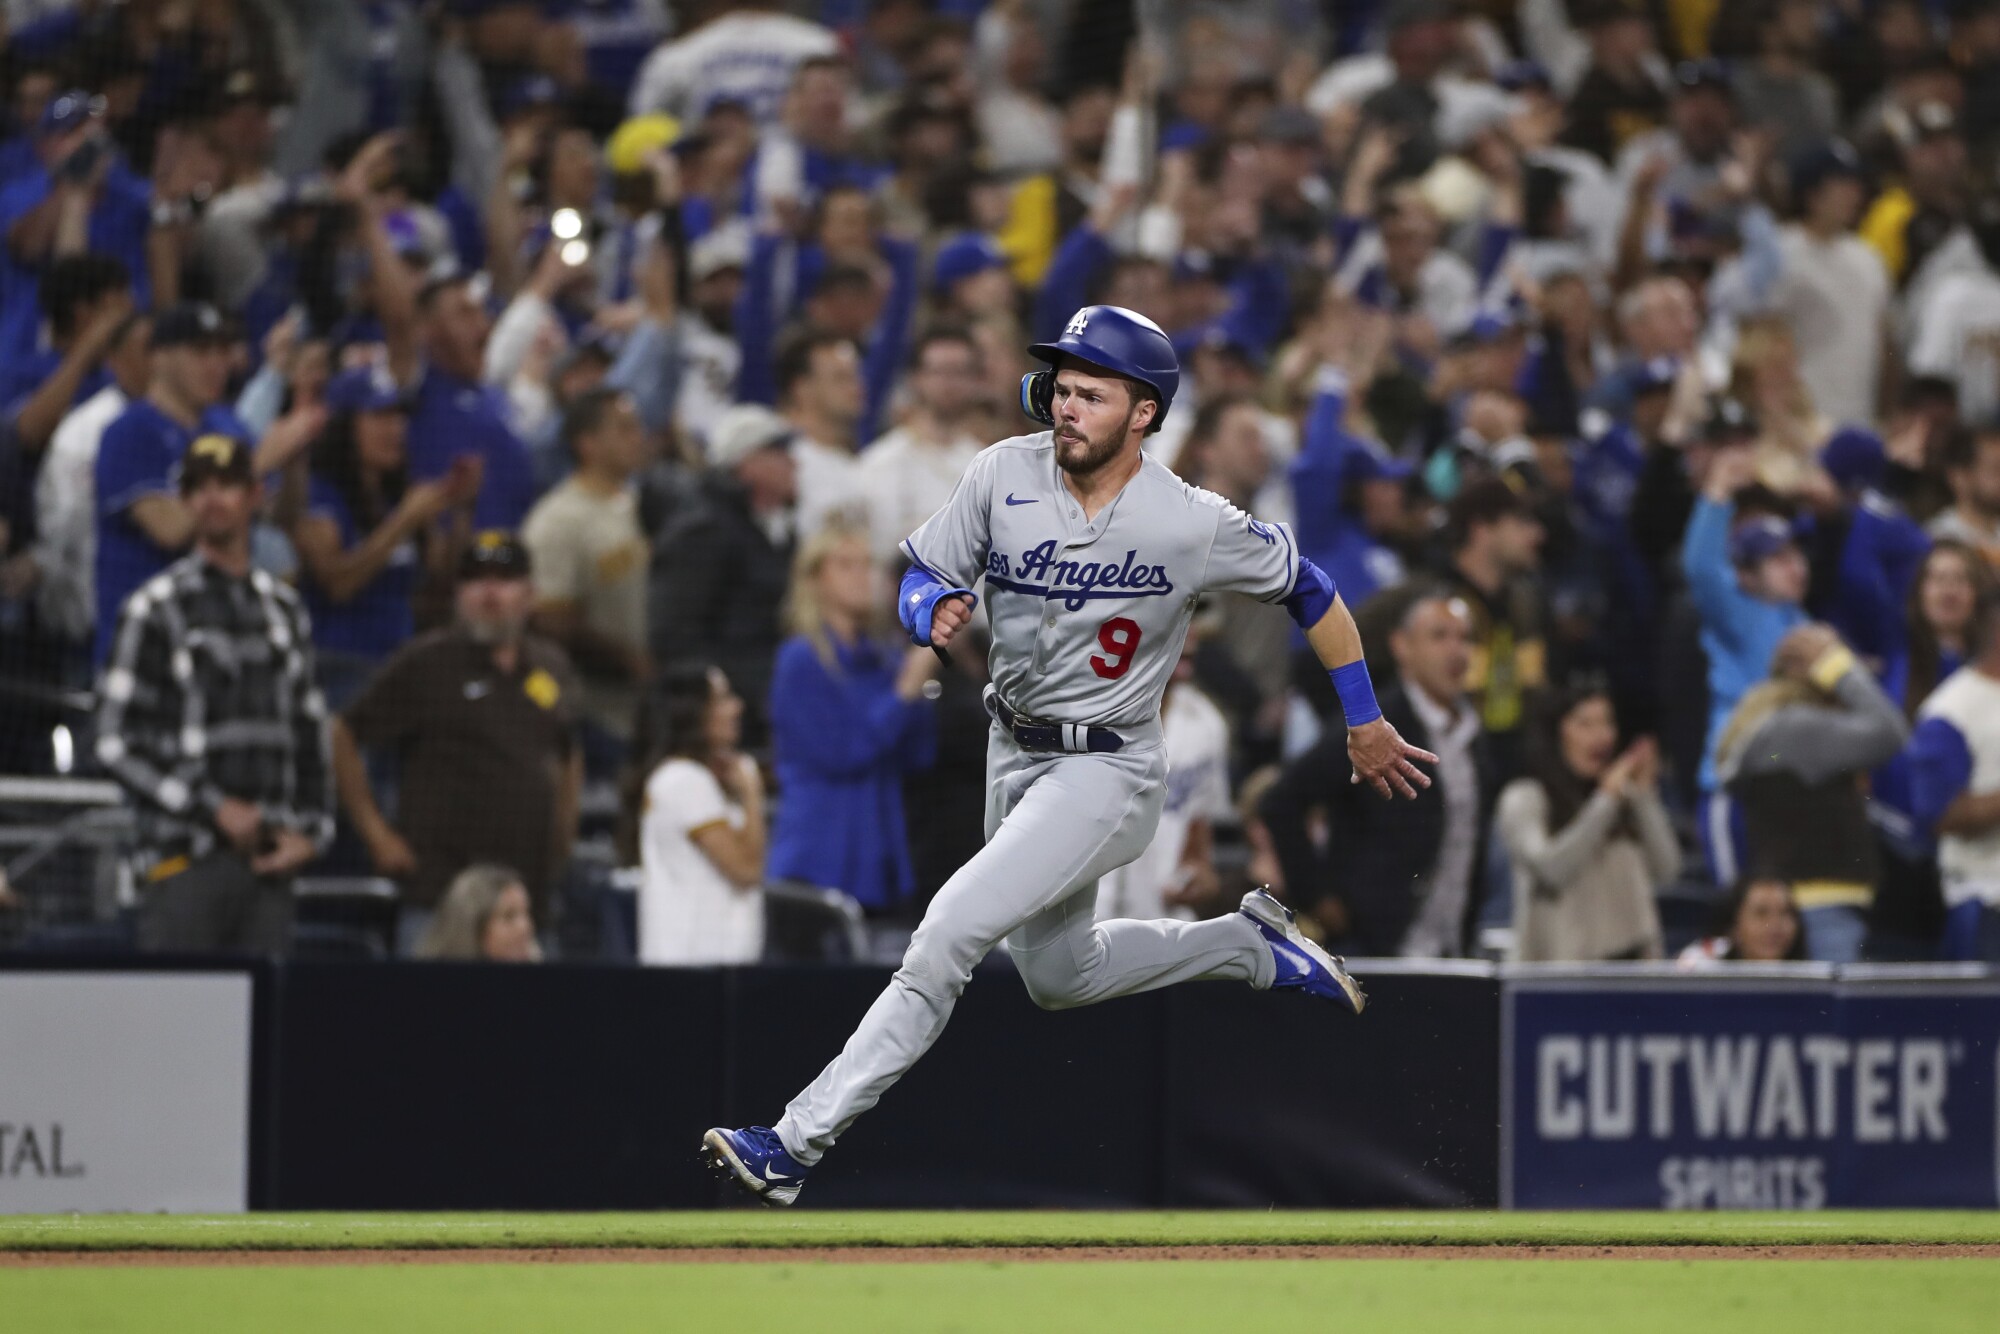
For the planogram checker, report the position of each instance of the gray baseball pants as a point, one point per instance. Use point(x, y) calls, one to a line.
point(1054, 824)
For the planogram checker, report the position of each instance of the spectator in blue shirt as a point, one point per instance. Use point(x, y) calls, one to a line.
point(35, 86)
point(369, 535)
point(456, 415)
point(77, 196)
point(142, 522)
point(1622, 590)
point(850, 280)
point(1748, 583)
point(1348, 495)
point(85, 300)
point(812, 151)
point(436, 330)
point(1880, 552)
point(850, 715)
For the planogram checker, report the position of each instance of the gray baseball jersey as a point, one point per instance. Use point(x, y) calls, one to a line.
point(1089, 615)
point(1088, 619)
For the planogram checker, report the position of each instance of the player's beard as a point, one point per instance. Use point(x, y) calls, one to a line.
point(1080, 455)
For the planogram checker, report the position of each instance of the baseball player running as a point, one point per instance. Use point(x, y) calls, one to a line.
point(1094, 554)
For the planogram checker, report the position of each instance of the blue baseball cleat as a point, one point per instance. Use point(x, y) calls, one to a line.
point(756, 1158)
point(1302, 965)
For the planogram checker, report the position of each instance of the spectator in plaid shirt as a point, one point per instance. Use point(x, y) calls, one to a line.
point(211, 718)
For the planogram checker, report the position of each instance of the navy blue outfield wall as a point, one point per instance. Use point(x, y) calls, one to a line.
point(445, 1087)
point(435, 1086)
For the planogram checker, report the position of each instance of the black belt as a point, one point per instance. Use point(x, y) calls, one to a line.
point(1067, 738)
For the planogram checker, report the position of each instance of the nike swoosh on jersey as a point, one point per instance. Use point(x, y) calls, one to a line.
point(1031, 500)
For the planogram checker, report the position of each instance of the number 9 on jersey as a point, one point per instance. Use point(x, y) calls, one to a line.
point(1119, 637)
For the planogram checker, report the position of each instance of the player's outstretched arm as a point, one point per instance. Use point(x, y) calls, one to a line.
point(1262, 560)
point(1379, 754)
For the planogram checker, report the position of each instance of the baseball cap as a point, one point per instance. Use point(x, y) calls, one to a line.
point(1728, 417)
point(1694, 75)
point(407, 237)
point(743, 430)
point(1182, 136)
point(1489, 326)
point(963, 256)
point(1519, 75)
point(215, 456)
point(1369, 462)
point(1855, 457)
point(190, 322)
point(365, 389)
point(70, 110)
point(1755, 539)
point(1194, 266)
point(527, 93)
point(1926, 120)
point(726, 247)
point(599, 345)
point(494, 554)
point(1656, 374)
point(1821, 163)
point(1224, 341)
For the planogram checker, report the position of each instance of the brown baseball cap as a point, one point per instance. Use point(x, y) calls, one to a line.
point(494, 554)
point(215, 456)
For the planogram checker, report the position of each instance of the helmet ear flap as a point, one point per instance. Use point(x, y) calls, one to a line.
point(1038, 395)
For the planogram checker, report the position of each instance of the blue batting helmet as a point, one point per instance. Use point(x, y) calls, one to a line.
point(1121, 341)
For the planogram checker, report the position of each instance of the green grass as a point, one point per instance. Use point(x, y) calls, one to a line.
point(783, 1228)
point(1354, 1297)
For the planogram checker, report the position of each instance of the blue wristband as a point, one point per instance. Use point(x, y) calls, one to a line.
point(1357, 693)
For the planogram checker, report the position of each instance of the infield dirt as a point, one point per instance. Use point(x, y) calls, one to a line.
point(959, 1254)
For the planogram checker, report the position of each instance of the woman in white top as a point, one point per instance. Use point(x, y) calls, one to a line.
point(701, 829)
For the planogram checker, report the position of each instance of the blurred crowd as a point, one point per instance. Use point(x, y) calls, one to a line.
point(466, 443)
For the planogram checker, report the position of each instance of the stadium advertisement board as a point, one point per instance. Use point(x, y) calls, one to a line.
point(124, 1091)
point(1754, 1092)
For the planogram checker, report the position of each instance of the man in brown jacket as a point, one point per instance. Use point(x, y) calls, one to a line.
point(482, 717)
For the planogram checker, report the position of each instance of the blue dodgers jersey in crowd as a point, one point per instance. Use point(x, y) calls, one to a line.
point(454, 417)
point(139, 456)
point(378, 619)
point(118, 227)
point(842, 739)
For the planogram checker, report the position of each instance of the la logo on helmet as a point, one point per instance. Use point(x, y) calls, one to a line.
point(1077, 322)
